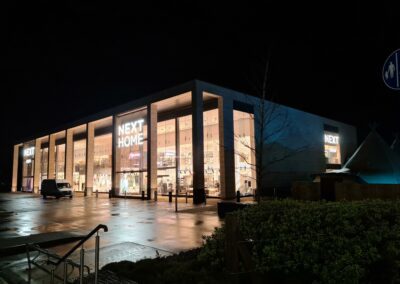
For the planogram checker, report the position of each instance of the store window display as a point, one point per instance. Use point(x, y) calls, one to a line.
point(102, 163)
point(185, 170)
point(60, 161)
point(332, 148)
point(44, 157)
point(131, 152)
point(211, 153)
point(244, 146)
point(79, 172)
point(166, 156)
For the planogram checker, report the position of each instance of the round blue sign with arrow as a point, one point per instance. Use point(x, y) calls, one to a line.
point(391, 72)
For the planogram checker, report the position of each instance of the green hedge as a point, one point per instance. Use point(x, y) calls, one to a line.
point(180, 268)
point(293, 242)
point(323, 242)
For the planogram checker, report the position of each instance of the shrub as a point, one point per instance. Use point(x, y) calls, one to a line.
point(180, 268)
point(212, 253)
point(293, 242)
point(329, 242)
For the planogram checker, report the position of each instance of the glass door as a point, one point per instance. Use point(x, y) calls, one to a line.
point(166, 156)
point(132, 183)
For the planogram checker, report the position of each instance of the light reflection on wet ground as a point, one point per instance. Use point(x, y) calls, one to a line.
point(147, 223)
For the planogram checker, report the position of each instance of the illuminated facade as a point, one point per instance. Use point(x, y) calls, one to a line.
point(196, 139)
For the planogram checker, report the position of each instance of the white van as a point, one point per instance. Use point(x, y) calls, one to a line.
point(56, 187)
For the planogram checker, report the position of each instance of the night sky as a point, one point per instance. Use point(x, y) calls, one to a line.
point(64, 62)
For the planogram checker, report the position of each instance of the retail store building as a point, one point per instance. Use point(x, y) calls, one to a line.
point(196, 138)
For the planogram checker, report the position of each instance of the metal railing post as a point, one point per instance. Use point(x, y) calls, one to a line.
point(186, 196)
point(82, 263)
point(52, 276)
point(29, 263)
point(65, 271)
point(97, 193)
point(96, 259)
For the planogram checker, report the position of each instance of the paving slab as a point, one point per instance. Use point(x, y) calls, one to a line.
point(149, 223)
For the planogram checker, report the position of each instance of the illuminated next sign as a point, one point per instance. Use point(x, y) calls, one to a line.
point(331, 139)
point(29, 151)
point(130, 133)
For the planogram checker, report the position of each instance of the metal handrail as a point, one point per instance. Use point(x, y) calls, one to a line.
point(50, 256)
point(65, 260)
point(88, 236)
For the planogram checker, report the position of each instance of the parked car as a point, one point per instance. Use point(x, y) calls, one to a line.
point(57, 188)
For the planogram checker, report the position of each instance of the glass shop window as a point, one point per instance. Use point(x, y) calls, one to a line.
point(332, 148)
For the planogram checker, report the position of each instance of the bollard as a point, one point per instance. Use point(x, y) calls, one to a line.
point(155, 195)
point(186, 196)
point(170, 196)
point(238, 196)
point(142, 194)
point(125, 193)
point(97, 193)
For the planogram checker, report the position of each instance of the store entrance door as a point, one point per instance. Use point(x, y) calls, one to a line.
point(166, 180)
point(132, 183)
point(79, 181)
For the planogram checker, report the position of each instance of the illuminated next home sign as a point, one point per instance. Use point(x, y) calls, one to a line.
point(29, 151)
point(130, 133)
point(331, 139)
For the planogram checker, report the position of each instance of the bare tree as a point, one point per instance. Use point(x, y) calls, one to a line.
point(270, 121)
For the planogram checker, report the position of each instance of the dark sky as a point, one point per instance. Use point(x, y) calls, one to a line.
point(63, 62)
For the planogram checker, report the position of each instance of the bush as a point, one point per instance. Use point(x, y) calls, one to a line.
point(181, 268)
point(329, 242)
point(293, 242)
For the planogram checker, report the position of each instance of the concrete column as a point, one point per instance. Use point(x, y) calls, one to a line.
point(226, 150)
point(253, 154)
point(115, 158)
point(151, 149)
point(15, 168)
point(69, 155)
point(198, 146)
point(259, 141)
point(37, 166)
point(51, 162)
point(177, 155)
point(89, 158)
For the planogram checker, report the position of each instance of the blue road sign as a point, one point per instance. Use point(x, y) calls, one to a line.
point(391, 72)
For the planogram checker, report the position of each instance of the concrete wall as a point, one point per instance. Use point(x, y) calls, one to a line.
point(354, 191)
point(304, 190)
point(346, 191)
point(294, 146)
